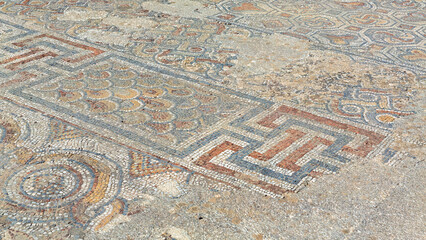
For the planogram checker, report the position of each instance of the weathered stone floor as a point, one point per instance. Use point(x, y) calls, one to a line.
point(212, 119)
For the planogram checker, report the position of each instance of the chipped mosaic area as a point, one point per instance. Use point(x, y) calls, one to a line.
point(189, 119)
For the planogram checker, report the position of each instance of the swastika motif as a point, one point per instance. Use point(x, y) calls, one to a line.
point(215, 131)
point(107, 106)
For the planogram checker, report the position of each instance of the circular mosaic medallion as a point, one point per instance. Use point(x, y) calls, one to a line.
point(63, 180)
point(50, 184)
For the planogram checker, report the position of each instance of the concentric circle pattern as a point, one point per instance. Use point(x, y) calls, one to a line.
point(111, 111)
point(73, 185)
point(52, 184)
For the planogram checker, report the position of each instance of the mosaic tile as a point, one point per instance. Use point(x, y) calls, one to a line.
point(221, 133)
point(56, 176)
point(376, 22)
point(113, 110)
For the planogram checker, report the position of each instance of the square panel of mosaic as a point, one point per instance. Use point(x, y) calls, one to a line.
point(55, 176)
point(220, 133)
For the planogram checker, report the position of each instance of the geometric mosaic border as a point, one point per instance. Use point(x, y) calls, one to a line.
point(267, 147)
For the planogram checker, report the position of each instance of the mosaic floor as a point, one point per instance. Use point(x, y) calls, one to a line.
point(212, 119)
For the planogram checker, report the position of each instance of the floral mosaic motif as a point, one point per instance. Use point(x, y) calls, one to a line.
point(105, 105)
point(372, 106)
point(187, 43)
point(155, 109)
point(401, 4)
point(189, 121)
point(394, 37)
point(369, 19)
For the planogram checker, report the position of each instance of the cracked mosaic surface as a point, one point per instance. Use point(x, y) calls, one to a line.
point(211, 119)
